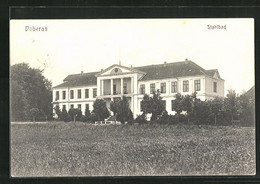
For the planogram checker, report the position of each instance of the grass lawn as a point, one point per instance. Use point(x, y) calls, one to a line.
point(78, 149)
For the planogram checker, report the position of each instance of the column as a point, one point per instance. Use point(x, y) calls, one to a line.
point(102, 87)
point(122, 80)
point(132, 85)
point(111, 86)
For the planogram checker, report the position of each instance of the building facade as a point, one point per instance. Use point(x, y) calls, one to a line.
point(81, 90)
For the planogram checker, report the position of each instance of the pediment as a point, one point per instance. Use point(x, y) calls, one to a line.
point(216, 75)
point(118, 70)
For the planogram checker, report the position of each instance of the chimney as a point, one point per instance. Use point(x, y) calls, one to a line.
point(131, 66)
point(101, 70)
point(186, 61)
point(164, 64)
point(81, 72)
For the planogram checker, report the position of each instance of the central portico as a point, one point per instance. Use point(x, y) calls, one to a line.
point(117, 81)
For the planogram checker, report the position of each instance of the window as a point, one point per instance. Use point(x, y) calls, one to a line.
point(174, 87)
point(185, 86)
point(86, 93)
point(79, 93)
point(215, 87)
point(197, 85)
point(163, 87)
point(79, 106)
point(57, 95)
point(125, 88)
point(87, 106)
point(142, 89)
point(63, 95)
point(71, 94)
point(94, 92)
point(172, 105)
point(71, 106)
point(64, 107)
point(152, 88)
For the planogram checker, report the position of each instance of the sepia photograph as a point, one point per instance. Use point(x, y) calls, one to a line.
point(132, 97)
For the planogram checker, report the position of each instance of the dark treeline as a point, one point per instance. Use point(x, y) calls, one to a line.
point(30, 97)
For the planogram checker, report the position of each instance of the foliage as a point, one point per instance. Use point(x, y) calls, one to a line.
point(247, 109)
point(34, 112)
point(153, 105)
point(122, 110)
point(88, 116)
point(216, 106)
point(231, 103)
point(65, 116)
point(100, 110)
point(177, 104)
point(28, 89)
point(140, 119)
point(75, 114)
point(57, 111)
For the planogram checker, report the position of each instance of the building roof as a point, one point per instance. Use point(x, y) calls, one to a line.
point(251, 92)
point(151, 72)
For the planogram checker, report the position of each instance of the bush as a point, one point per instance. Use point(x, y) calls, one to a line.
point(75, 114)
point(140, 119)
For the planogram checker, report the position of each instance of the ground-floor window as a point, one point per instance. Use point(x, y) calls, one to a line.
point(71, 106)
point(64, 107)
point(79, 106)
point(87, 106)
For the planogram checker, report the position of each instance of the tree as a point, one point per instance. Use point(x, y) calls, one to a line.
point(34, 113)
point(122, 111)
point(100, 110)
point(216, 105)
point(231, 104)
point(187, 105)
point(57, 111)
point(247, 109)
point(65, 116)
point(29, 89)
point(75, 114)
point(154, 105)
point(87, 115)
point(177, 105)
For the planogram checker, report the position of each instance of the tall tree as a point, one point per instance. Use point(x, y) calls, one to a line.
point(177, 105)
point(216, 105)
point(122, 110)
point(29, 89)
point(100, 110)
point(231, 104)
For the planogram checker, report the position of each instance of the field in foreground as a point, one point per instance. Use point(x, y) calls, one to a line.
point(69, 149)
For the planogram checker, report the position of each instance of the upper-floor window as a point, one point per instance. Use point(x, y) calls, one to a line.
point(57, 95)
point(79, 93)
point(163, 87)
point(86, 93)
point(174, 87)
point(94, 92)
point(152, 88)
point(142, 89)
point(197, 85)
point(71, 94)
point(215, 86)
point(79, 106)
point(63, 95)
point(186, 86)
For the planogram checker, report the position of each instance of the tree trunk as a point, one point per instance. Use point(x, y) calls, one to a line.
point(215, 120)
point(74, 118)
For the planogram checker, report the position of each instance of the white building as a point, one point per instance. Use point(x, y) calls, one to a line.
point(81, 90)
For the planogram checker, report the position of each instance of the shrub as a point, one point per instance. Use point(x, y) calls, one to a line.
point(140, 118)
point(75, 114)
point(100, 110)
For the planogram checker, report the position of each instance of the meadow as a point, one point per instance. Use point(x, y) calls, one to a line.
point(80, 149)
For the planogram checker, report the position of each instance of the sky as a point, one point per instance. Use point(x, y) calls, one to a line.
point(88, 45)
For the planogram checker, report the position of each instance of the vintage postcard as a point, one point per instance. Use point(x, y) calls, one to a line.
point(132, 97)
